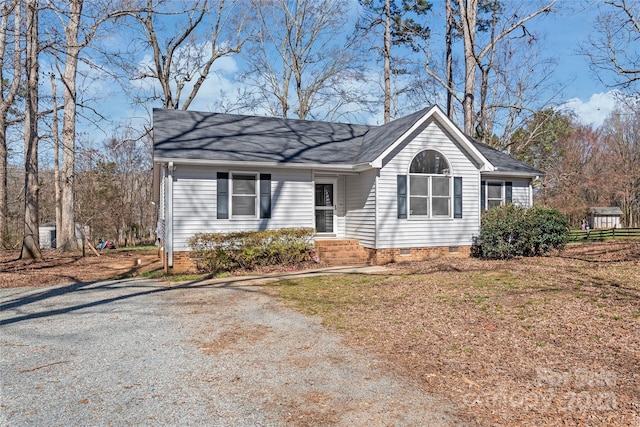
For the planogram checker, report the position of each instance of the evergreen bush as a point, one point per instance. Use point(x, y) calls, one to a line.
point(509, 231)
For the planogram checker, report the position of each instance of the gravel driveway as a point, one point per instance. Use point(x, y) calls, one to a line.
point(143, 352)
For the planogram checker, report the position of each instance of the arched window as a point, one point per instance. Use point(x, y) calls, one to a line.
point(429, 185)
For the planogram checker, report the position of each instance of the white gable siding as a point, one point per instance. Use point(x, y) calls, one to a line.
point(195, 203)
point(361, 208)
point(419, 232)
point(521, 193)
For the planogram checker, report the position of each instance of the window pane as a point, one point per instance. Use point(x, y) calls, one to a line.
point(419, 206)
point(494, 190)
point(324, 194)
point(429, 161)
point(324, 221)
point(419, 186)
point(243, 205)
point(244, 184)
point(441, 186)
point(441, 206)
point(494, 203)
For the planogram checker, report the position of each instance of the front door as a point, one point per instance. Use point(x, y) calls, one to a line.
point(325, 207)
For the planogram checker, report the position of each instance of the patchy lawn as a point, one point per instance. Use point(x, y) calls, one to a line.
point(535, 341)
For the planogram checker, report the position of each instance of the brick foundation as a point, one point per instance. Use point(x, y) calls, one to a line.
point(386, 256)
point(182, 263)
point(336, 252)
point(342, 252)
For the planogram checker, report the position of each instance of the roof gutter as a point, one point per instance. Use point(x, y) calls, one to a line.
point(512, 173)
point(253, 164)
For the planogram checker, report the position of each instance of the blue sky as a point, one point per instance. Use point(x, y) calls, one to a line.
point(560, 34)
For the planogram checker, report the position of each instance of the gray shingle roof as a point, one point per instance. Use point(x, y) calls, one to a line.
point(211, 136)
point(610, 211)
point(503, 163)
point(188, 135)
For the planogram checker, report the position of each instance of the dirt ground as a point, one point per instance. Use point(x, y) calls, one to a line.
point(59, 268)
point(544, 341)
point(552, 340)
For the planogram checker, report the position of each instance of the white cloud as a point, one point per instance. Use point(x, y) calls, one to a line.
point(595, 110)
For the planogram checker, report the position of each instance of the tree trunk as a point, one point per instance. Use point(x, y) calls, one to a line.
point(386, 53)
point(31, 239)
point(449, 59)
point(67, 237)
point(4, 205)
point(468, 17)
point(6, 101)
point(56, 157)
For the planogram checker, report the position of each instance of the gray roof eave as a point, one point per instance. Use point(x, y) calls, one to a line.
point(257, 164)
point(512, 173)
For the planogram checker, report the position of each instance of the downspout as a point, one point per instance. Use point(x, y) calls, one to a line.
point(375, 219)
point(169, 216)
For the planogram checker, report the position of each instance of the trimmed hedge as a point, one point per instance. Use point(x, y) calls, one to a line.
point(509, 231)
point(215, 252)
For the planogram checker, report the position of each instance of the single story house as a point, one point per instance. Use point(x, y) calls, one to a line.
point(407, 190)
point(605, 217)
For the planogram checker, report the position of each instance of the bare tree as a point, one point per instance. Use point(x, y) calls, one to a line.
point(484, 27)
point(613, 47)
point(296, 63)
point(31, 240)
point(80, 27)
point(56, 154)
point(10, 9)
point(181, 60)
point(622, 151)
point(399, 27)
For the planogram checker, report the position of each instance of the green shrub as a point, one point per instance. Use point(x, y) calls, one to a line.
point(550, 229)
point(215, 252)
point(509, 231)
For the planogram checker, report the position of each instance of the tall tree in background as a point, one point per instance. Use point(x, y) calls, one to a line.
point(537, 142)
point(31, 240)
point(399, 27)
point(72, 19)
point(11, 83)
point(576, 178)
point(489, 30)
point(622, 153)
point(297, 63)
point(614, 44)
point(181, 60)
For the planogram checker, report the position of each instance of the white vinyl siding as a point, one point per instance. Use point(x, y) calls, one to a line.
point(361, 208)
point(521, 192)
point(426, 232)
point(194, 196)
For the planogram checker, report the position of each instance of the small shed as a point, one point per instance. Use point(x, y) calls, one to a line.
point(48, 234)
point(605, 217)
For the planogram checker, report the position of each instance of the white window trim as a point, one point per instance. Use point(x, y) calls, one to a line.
point(486, 193)
point(449, 176)
point(257, 194)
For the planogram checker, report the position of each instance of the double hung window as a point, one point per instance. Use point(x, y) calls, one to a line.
point(244, 194)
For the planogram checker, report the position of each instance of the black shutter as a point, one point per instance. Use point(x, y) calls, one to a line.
point(402, 196)
point(265, 195)
point(457, 197)
point(223, 195)
point(508, 192)
point(482, 195)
